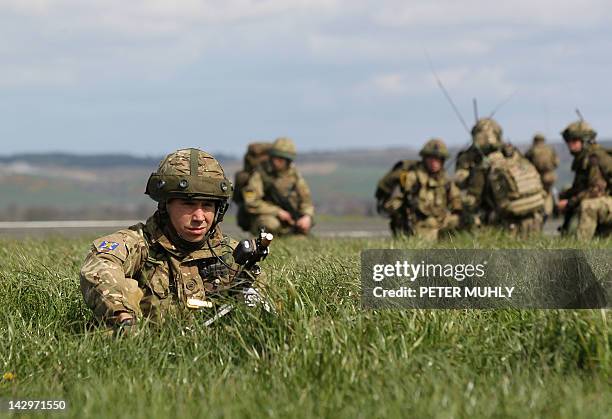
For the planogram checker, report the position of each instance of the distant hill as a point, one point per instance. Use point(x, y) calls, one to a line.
point(74, 186)
point(90, 160)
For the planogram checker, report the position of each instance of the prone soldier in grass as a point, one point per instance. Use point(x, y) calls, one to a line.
point(276, 196)
point(587, 204)
point(179, 259)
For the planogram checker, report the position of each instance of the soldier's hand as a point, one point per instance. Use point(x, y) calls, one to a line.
point(562, 205)
point(124, 323)
point(304, 223)
point(285, 217)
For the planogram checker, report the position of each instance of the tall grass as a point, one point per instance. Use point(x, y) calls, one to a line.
point(321, 355)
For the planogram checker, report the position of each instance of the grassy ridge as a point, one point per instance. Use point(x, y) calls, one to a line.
point(322, 355)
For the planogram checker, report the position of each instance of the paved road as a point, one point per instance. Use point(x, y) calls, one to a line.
point(348, 227)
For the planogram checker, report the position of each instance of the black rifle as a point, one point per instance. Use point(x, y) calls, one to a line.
point(283, 202)
point(247, 254)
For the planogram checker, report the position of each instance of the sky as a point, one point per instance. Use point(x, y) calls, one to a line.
point(149, 76)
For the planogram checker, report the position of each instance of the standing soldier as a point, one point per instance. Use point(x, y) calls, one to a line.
point(277, 196)
point(587, 204)
point(431, 201)
point(545, 160)
point(178, 259)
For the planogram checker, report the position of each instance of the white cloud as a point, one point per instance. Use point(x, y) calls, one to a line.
point(72, 41)
point(484, 12)
point(489, 83)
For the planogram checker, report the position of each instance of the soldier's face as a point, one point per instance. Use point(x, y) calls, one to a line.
point(574, 145)
point(279, 164)
point(433, 164)
point(191, 218)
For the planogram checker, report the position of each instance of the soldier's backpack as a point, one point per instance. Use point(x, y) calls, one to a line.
point(543, 158)
point(256, 154)
point(390, 181)
point(516, 184)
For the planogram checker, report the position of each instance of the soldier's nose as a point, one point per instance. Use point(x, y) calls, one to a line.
point(198, 215)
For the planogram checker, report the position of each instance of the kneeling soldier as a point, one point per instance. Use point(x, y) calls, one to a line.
point(276, 196)
point(432, 202)
point(179, 258)
point(587, 204)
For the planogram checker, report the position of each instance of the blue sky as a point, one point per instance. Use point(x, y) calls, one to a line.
point(149, 76)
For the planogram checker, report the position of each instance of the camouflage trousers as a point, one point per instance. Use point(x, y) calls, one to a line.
point(272, 225)
point(594, 215)
point(523, 226)
point(432, 228)
point(549, 204)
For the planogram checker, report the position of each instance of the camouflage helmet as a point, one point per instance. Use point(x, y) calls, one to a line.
point(284, 148)
point(434, 148)
point(579, 130)
point(539, 138)
point(189, 173)
point(488, 125)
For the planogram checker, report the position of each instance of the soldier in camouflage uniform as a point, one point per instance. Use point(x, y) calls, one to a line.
point(277, 196)
point(389, 197)
point(486, 135)
point(490, 190)
point(545, 160)
point(587, 204)
point(177, 259)
point(431, 201)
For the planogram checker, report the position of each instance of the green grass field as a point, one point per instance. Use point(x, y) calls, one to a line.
point(322, 355)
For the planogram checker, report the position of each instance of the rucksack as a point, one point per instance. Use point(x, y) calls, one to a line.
point(543, 158)
point(516, 184)
point(256, 154)
point(388, 183)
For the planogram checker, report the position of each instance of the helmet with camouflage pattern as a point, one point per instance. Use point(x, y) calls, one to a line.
point(488, 125)
point(284, 148)
point(539, 138)
point(580, 130)
point(189, 173)
point(434, 148)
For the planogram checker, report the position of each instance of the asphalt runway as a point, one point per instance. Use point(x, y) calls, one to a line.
point(349, 227)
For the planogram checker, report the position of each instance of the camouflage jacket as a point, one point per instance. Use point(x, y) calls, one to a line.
point(388, 194)
point(593, 174)
point(466, 160)
point(140, 271)
point(259, 192)
point(429, 196)
point(478, 194)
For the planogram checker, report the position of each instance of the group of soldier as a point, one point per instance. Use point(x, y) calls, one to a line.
point(494, 184)
point(179, 258)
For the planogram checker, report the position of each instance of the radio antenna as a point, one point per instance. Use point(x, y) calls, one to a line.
point(502, 103)
point(450, 100)
point(579, 115)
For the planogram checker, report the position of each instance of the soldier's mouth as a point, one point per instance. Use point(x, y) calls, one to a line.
point(196, 230)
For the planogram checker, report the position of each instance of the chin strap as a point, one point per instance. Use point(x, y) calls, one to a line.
point(220, 210)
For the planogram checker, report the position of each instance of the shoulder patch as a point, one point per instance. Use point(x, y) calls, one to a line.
point(107, 246)
point(114, 244)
